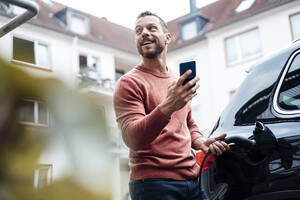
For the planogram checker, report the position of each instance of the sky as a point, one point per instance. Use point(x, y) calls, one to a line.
point(124, 12)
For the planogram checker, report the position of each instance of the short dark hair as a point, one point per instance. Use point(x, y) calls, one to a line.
point(148, 13)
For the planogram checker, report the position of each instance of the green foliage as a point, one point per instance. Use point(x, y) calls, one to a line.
point(77, 134)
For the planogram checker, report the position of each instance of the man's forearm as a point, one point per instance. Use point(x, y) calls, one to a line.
point(139, 131)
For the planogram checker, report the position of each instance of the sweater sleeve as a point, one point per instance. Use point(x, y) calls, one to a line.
point(194, 130)
point(138, 128)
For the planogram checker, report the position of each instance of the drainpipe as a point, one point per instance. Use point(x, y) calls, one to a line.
point(32, 10)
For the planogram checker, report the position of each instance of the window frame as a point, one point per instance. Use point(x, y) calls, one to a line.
point(36, 175)
point(275, 105)
point(193, 18)
point(89, 55)
point(36, 42)
point(242, 60)
point(183, 36)
point(85, 21)
point(36, 114)
point(291, 27)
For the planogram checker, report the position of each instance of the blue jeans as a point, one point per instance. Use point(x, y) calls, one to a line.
point(165, 189)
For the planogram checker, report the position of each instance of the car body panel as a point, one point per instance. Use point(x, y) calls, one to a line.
point(241, 174)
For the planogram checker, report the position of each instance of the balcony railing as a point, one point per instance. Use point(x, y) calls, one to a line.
point(89, 78)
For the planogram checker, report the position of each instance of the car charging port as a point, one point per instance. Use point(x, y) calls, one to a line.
point(263, 145)
point(265, 140)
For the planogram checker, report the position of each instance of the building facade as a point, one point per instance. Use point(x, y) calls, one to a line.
point(225, 38)
point(84, 52)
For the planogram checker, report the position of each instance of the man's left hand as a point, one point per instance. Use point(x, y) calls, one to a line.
point(215, 145)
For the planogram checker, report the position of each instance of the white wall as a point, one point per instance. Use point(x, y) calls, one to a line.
point(216, 79)
point(59, 48)
point(64, 51)
point(5, 47)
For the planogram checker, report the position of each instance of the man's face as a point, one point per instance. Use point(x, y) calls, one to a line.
point(149, 36)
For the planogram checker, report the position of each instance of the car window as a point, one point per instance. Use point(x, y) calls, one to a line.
point(288, 100)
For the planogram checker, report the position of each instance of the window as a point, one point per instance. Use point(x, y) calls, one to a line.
point(192, 26)
point(42, 176)
point(78, 24)
point(32, 52)
point(33, 112)
point(42, 55)
point(118, 74)
point(243, 46)
point(93, 61)
point(295, 26)
point(287, 98)
point(89, 69)
point(90, 64)
point(244, 5)
point(83, 61)
point(88, 61)
point(189, 30)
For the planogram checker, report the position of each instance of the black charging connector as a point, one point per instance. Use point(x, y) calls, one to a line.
point(241, 141)
point(264, 142)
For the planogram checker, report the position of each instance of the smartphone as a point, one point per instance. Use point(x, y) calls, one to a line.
point(183, 67)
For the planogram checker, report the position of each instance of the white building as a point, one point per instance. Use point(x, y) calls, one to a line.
point(225, 38)
point(81, 50)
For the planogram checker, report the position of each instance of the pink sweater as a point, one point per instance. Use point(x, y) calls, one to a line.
point(159, 147)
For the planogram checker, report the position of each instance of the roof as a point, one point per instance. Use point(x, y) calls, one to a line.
point(221, 13)
point(101, 30)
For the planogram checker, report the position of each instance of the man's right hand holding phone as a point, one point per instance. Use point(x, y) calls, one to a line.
point(179, 95)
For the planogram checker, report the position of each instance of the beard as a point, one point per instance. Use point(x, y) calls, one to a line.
point(151, 54)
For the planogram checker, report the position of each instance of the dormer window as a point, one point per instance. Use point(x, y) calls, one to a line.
point(192, 26)
point(189, 30)
point(78, 24)
point(76, 21)
point(244, 5)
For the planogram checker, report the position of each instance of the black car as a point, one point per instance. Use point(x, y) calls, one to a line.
point(268, 99)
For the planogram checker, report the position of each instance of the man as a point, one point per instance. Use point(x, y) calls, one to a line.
point(154, 114)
